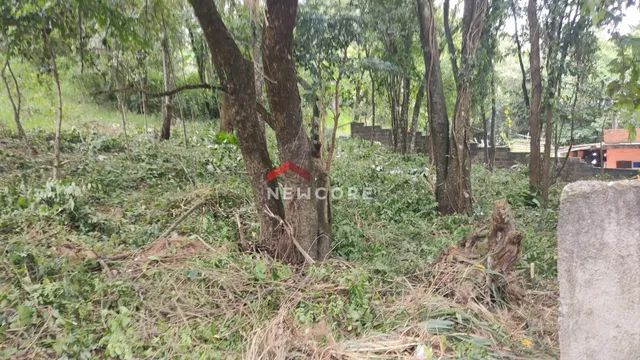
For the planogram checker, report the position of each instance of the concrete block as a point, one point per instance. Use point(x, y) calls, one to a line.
point(599, 270)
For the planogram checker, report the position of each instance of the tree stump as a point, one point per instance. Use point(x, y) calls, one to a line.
point(481, 266)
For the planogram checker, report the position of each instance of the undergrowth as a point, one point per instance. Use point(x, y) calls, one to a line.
point(65, 291)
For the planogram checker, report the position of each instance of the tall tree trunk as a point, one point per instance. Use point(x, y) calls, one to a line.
point(56, 80)
point(80, 38)
point(492, 152)
point(256, 54)
point(122, 106)
point(373, 103)
point(535, 169)
point(199, 53)
point(16, 103)
point(449, 38)
point(525, 92)
point(393, 91)
point(307, 216)
point(336, 118)
point(169, 84)
point(485, 135)
point(298, 229)
point(416, 112)
point(436, 105)
point(404, 112)
point(239, 85)
point(458, 180)
point(357, 98)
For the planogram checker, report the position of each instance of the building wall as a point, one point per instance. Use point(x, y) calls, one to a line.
point(617, 136)
point(614, 155)
point(576, 169)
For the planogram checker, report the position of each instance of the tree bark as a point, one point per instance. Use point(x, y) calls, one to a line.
point(535, 170)
point(404, 112)
point(56, 80)
point(436, 105)
point(297, 228)
point(122, 106)
point(336, 118)
point(307, 216)
point(492, 151)
point(256, 54)
point(169, 83)
point(416, 112)
point(485, 135)
point(240, 90)
point(393, 91)
point(373, 103)
point(458, 181)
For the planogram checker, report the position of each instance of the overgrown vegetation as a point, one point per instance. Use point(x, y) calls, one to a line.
point(83, 276)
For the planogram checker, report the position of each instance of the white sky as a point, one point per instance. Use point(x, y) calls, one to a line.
point(631, 19)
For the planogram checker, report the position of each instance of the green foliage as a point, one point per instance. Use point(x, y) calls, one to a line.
point(625, 90)
point(121, 200)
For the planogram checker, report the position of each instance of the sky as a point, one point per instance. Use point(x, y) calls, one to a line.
point(631, 19)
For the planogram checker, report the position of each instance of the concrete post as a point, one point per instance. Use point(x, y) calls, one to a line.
point(599, 270)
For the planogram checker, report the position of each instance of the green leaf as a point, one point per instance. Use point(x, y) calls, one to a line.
point(260, 270)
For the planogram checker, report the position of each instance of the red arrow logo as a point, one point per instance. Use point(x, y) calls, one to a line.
point(271, 175)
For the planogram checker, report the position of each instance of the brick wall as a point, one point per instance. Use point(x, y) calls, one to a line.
point(504, 157)
point(383, 136)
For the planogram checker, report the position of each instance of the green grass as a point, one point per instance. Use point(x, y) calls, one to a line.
point(58, 301)
point(39, 103)
point(70, 284)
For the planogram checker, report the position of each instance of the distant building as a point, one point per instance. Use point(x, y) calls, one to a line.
point(616, 151)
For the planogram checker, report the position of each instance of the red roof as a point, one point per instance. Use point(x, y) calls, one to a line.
point(615, 136)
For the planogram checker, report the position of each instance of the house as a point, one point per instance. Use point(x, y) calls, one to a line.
point(616, 151)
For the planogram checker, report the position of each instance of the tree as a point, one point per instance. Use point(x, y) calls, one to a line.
point(169, 83)
point(436, 105)
point(535, 166)
point(453, 163)
point(16, 101)
point(295, 228)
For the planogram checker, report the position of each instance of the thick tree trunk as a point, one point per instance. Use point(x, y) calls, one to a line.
point(239, 85)
point(436, 105)
point(535, 168)
point(16, 103)
point(307, 217)
point(169, 83)
point(416, 112)
point(525, 92)
point(299, 230)
point(458, 180)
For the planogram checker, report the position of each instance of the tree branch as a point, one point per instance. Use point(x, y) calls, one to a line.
point(163, 93)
